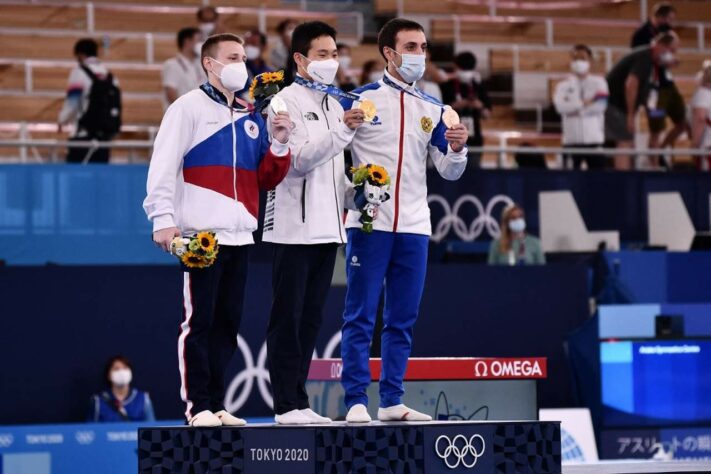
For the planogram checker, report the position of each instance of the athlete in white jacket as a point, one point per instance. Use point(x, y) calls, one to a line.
point(304, 218)
point(408, 128)
point(211, 156)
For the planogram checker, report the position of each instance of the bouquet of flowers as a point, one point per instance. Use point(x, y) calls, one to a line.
point(371, 184)
point(265, 86)
point(198, 251)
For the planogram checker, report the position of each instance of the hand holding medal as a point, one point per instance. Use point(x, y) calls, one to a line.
point(368, 108)
point(456, 133)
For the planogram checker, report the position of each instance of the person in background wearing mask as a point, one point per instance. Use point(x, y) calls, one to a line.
point(670, 102)
point(305, 218)
point(209, 22)
point(343, 77)
point(120, 402)
point(661, 21)
point(211, 156)
point(701, 116)
point(431, 79)
point(634, 82)
point(466, 94)
point(581, 100)
point(183, 73)
point(515, 246)
point(409, 129)
point(279, 53)
point(372, 71)
point(254, 44)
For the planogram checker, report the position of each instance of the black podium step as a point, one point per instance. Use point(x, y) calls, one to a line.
point(505, 447)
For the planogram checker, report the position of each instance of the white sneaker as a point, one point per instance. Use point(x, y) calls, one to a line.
point(293, 417)
point(228, 419)
point(358, 414)
point(315, 417)
point(401, 413)
point(205, 419)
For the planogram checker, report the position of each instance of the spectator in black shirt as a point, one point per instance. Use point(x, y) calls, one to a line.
point(466, 94)
point(633, 83)
point(663, 16)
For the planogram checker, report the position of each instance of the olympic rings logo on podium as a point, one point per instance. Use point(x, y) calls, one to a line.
point(454, 454)
point(451, 221)
point(242, 384)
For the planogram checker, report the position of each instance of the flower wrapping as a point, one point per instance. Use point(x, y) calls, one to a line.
point(371, 184)
point(198, 251)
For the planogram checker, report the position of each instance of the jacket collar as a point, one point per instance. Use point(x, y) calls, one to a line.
point(399, 83)
point(213, 93)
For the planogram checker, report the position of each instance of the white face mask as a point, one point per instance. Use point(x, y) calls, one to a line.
point(207, 28)
point(344, 62)
point(667, 57)
point(233, 76)
point(375, 76)
point(465, 76)
point(121, 377)
point(412, 68)
point(517, 225)
point(252, 52)
point(580, 66)
point(322, 71)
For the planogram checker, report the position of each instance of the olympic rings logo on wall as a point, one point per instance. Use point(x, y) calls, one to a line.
point(460, 450)
point(451, 221)
point(242, 384)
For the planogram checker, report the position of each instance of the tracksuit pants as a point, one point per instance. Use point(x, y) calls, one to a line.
point(401, 260)
point(213, 298)
point(301, 278)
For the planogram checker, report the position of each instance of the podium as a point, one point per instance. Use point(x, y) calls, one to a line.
point(505, 447)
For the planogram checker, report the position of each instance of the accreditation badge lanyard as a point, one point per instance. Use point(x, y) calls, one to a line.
point(328, 89)
point(415, 92)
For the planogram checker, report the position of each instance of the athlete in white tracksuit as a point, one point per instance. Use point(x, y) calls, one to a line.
point(408, 128)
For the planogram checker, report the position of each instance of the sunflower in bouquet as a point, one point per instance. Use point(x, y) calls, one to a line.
point(371, 184)
point(198, 251)
point(265, 86)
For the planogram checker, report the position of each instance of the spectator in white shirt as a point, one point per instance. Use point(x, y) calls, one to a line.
point(701, 116)
point(581, 100)
point(183, 73)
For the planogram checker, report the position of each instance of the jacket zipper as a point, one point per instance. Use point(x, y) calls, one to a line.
point(399, 161)
point(303, 201)
point(333, 172)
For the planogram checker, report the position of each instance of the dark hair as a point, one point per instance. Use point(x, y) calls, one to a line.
point(210, 45)
point(666, 39)
point(663, 9)
point(342, 45)
point(465, 60)
point(583, 47)
point(110, 363)
point(201, 13)
point(365, 71)
point(305, 33)
point(185, 34)
point(87, 47)
point(281, 27)
point(388, 33)
point(262, 36)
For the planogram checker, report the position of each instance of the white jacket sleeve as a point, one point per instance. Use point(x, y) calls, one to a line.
point(599, 104)
point(567, 98)
point(170, 146)
point(349, 194)
point(308, 151)
point(450, 164)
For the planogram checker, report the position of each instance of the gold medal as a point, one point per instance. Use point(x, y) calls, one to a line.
point(450, 117)
point(277, 105)
point(368, 108)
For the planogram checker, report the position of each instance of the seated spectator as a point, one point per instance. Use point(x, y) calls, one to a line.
point(661, 20)
point(634, 83)
point(210, 22)
point(343, 76)
point(120, 402)
point(701, 117)
point(466, 94)
point(183, 73)
point(91, 119)
point(372, 71)
point(581, 100)
point(515, 246)
point(279, 53)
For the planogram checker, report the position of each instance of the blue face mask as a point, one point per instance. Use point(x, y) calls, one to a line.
point(412, 68)
point(517, 225)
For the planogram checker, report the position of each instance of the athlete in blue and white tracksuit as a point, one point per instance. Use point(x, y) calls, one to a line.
point(406, 130)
